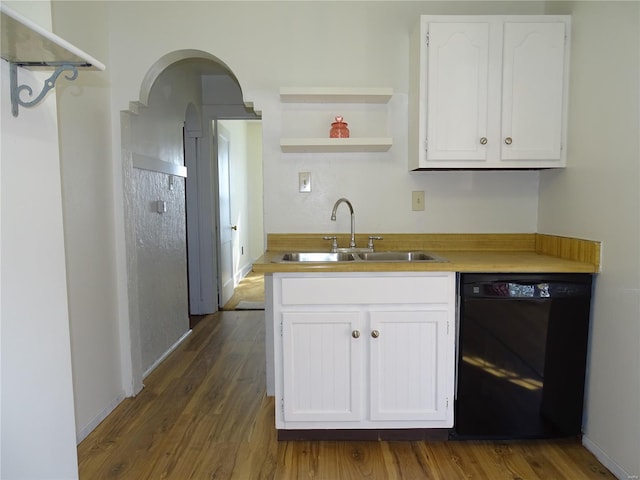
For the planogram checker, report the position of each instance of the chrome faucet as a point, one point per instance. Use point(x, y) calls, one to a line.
point(352, 242)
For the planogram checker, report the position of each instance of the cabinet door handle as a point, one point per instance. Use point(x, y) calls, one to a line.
point(483, 141)
point(375, 333)
point(355, 334)
point(508, 140)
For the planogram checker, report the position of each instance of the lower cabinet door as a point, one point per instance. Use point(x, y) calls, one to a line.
point(322, 366)
point(409, 366)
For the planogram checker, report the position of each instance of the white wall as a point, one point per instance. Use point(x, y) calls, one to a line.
point(598, 197)
point(85, 157)
point(294, 44)
point(256, 208)
point(37, 433)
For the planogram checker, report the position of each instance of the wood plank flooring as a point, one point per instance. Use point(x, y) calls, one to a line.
point(250, 288)
point(203, 414)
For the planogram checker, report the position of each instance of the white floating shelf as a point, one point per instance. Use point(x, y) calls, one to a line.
point(301, 145)
point(24, 43)
point(335, 95)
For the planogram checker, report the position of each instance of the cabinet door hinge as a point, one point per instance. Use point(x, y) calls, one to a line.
point(426, 145)
point(447, 327)
point(281, 328)
point(282, 406)
point(446, 403)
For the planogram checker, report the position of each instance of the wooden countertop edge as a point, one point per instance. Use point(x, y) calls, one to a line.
point(464, 252)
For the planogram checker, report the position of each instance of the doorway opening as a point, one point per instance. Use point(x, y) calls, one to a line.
point(239, 152)
point(170, 149)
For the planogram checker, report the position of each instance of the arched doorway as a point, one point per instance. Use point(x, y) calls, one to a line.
point(170, 180)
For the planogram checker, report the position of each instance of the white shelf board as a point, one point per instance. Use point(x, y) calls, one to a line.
point(335, 95)
point(26, 43)
point(364, 144)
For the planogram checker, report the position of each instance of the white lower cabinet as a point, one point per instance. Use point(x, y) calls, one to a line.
point(357, 351)
point(322, 366)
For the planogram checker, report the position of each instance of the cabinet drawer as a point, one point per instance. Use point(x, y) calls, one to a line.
point(341, 290)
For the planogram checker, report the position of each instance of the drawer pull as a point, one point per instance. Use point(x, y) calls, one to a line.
point(375, 333)
point(355, 334)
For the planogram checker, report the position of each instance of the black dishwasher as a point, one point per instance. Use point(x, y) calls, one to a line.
point(521, 355)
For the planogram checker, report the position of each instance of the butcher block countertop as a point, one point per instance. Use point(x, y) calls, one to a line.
point(504, 252)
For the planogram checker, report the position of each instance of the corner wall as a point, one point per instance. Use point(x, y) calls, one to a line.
point(37, 431)
point(598, 197)
point(87, 192)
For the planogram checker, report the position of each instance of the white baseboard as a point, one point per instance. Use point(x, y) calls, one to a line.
point(604, 459)
point(165, 354)
point(95, 421)
point(242, 272)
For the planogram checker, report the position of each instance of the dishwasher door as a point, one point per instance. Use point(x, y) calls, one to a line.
point(521, 355)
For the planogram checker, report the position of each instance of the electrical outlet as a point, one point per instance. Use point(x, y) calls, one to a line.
point(417, 201)
point(304, 182)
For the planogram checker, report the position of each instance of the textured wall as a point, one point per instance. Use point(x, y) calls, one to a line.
point(162, 262)
point(156, 243)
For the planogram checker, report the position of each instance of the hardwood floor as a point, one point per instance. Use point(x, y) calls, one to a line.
point(203, 414)
point(250, 288)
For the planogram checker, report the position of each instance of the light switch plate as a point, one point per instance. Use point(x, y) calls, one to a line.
point(417, 201)
point(304, 182)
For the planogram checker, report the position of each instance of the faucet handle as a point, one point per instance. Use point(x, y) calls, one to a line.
point(334, 242)
point(371, 239)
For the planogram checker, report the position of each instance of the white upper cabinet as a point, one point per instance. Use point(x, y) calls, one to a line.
point(489, 92)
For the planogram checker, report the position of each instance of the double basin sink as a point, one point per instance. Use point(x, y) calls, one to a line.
point(358, 257)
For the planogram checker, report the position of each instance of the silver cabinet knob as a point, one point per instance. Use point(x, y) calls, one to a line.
point(483, 141)
point(508, 140)
point(375, 333)
point(355, 334)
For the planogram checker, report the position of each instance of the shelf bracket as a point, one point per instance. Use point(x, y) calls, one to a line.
point(49, 83)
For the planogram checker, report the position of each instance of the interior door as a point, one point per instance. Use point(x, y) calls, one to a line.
point(227, 228)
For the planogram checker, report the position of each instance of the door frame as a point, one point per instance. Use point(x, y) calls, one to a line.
point(201, 242)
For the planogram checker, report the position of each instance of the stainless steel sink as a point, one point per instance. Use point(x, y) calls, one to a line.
point(316, 257)
point(358, 257)
point(400, 257)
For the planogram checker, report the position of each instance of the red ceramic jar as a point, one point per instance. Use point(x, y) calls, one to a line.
point(339, 129)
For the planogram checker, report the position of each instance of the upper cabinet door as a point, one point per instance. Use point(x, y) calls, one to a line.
point(457, 90)
point(533, 85)
point(488, 92)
